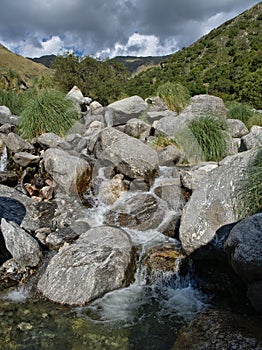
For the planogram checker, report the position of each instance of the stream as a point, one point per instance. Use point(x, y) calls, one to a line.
point(141, 316)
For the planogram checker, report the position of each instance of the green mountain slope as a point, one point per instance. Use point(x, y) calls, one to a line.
point(227, 62)
point(16, 67)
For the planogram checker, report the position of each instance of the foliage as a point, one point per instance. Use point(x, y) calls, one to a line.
point(249, 192)
point(239, 111)
point(175, 96)
point(12, 100)
point(46, 111)
point(210, 135)
point(226, 63)
point(100, 80)
point(244, 113)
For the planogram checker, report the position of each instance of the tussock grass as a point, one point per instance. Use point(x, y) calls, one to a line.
point(175, 95)
point(162, 141)
point(46, 111)
point(210, 135)
point(244, 113)
point(249, 192)
point(12, 100)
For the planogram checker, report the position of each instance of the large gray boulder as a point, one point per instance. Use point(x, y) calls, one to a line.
point(213, 203)
point(140, 211)
point(100, 261)
point(51, 140)
point(253, 139)
point(72, 173)
point(129, 156)
point(244, 247)
point(23, 247)
point(120, 112)
point(236, 128)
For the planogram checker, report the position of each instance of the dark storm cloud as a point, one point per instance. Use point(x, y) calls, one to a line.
point(96, 25)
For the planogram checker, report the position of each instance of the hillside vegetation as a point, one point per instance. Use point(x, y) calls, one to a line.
point(226, 62)
point(16, 69)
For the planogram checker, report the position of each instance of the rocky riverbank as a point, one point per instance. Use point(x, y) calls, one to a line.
point(68, 205)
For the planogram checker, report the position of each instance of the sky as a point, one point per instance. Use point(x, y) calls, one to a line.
point(109, 28)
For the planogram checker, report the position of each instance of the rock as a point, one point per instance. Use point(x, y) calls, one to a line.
point(16, 144)
point(236, 128)
point(157, 115)
point(254, 294)
point(7, 117)
point(220, 329)
point(120, 112)
point(213, 203)
point(156, 104)
point(51, 140)
point(169, 125)
point(7, 128)
point(166, 257)
point(244, 248)
point(9, 178)
point(140, 211)
point(96, 108)
point(192, 177)
point(137, 128)
point(99, 261)
point(170, 155)
point(127, 155)
point(75, 95)
point(72, 173)
point(253, 139)
point(23, 247)
point(111, 190)
point(25, 158)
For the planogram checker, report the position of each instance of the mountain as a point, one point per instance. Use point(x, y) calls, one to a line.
point(226, 62)
point(25, 69)
point(46, 60)
point(139, 64)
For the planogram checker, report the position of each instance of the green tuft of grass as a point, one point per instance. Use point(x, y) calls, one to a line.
point(12, 100)
point(175, 95)
point(249, 191)
point(239, 111)
point(46, 111)
point(209, 133)
point(162, 141)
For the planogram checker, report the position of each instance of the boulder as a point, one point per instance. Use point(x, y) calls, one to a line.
point(254, 294)
point(236, 128)
point(157, 115)
point(140, 211)
point(51, 140)
point(25, 158)
point(127, 155)
point(96, 108)
point(213, 203)
point(137, 128)
point(120, 112)
point(15, 143)
point(100, 261)
point(23, 247)
point(170, 156)
point(7, 117)
point(192, 177)
point(72, 173)
point(75, 95)
point(253, 139)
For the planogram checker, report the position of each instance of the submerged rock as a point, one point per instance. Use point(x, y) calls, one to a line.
point(100, 261)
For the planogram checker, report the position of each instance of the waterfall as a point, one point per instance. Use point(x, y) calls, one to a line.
point(3, 159)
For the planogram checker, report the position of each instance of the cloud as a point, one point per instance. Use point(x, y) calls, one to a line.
point(94, 26)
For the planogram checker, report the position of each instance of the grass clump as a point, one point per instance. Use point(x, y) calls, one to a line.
point(175, 96)
point(12, 100)
point(249, 192)
point(46, 111)
point(244, 113)
point(210, 134)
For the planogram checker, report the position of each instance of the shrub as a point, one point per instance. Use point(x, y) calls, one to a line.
point(255, 119)
point(162, 141)
point(210, 135)
point(175, 96)
point(249, 192)
point(46, 111)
